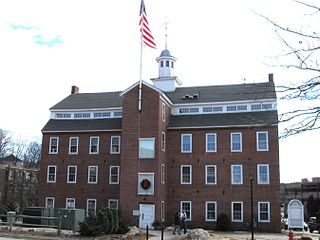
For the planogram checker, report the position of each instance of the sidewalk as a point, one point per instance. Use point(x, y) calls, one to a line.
point(156, 235)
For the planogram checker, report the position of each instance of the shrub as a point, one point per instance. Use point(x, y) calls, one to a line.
point(223, 222)
point(123, 224)
point(158, 224)
point(90, 227)
point(115, 220)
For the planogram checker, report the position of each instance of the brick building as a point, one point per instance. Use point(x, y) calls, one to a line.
point(189, 148)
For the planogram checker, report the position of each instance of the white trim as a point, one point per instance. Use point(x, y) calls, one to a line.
point(215, 174)
point(267, 141)
point(55, 173)
point(268, 220)
point(111, 138)
point(232, 180)
point(113, 200)
point(182, 135)
point(181, 202)
point(232, 216)
point(118, 174)
point(223, 126)
point(95, 206)
point(163, 210)
point(50, 152)
point(46, 202)
point(96, 173)
point(163, 173)
point(85, 109)
point(75, 174)
point(70, 138)
point(217, 104)
point(90, 152)
point(181, 174)
point(215, 211)
point(74, 201)
point(163, 141)
point(231, 141)
point(215, 142)
point(258, 173)
point(80, 131)
point(163, 112)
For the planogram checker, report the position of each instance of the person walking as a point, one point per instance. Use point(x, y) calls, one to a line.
point(183, 222)
point(176, 223)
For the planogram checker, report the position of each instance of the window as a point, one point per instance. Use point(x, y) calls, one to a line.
point(94, 145)
point(53, 145)
point(91, 207)
point(211, 142)
point(113, 204)
point(263, 173)
point(72, 174)
point(211, 211)
point(163, 173)
point(162, 210)
point(70, 203)
point(231, 108)
point(93, 174)
point(186, 174)
point(256, 107)
point(236, 174)
point(262, 141)
point(146, 147)
point(51, 174)
point(163, 142)
point(211, 174)
point(102, 115)
point(63, 115)
point(242, 108)
point(117, 114)
point(73, 145)
point(115, 145)
point(185, 206)
point(167, 63)
point(171, 64)
point(186, 143)
point(188, 110)
point(161, 64)
point(114, 175)
point(264, 211)
point(49, 202)
point(81, 115)
point(237, 214)
point(236, 142)
point(267, 106)
point(163, 112)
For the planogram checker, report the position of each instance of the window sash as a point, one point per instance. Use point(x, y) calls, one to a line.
point(263, 174)
point(262, 141)
point(51, 174)
point(185, 206)
point(186, 143)
point(264, 211)
point(92, 174)
point(70, 203)
point(211, 211)
point(94, 145)
point(236, 142)
point(237, 212)
point(115, 144)
point(49, 202)
point(186, 174)
point(211, 174)
point(113, 204)
point(53, 145)
point(72, 174)
point(114, 175)
point(211, 142)
point(236, 173)
point(91, 207)
point(146, 148)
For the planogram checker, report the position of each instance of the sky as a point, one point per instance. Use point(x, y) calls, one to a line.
point(46, 46)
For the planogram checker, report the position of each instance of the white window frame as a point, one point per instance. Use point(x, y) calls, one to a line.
point(55, 174)
point(182, 143)
point(77, 138)
point(215, 211)
point(75, 174)
point(163, 113)
point(215, 175)
point(95, 206)
point(259, 211)
point(97, 170)
point(90, 145)
point(50, 145)
point(118, 175)
point(113, 200)
point(267, 142)
point(163, 173)
point(163, 141)
point(232, 177)
point(67, 201)
point(46, 202)
point(162, 210)
point(181, 210)
point(232, 213)
point(231, 141)
point(259, 175)
point(181, 174)
point(111, 144)
point(215, 142)
point(147, 139)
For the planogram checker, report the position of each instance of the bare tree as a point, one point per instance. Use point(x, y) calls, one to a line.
point(5, 140)
point(32, 155)
point(302, 45)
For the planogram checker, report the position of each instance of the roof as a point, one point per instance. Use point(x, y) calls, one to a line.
point(89, 101)
point(165, 53)
point(109, 124)
point(224, 120)
point(224, 93)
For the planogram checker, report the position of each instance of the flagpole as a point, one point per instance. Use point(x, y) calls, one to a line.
point(140, 79)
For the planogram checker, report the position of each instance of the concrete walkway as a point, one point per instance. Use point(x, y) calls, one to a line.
point(156, 235)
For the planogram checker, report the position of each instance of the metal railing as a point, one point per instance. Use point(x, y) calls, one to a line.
point(11, 221)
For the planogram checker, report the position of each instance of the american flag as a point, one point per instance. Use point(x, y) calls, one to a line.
point(146, 33)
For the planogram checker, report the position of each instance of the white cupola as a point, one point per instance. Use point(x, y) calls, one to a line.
point(166, 80)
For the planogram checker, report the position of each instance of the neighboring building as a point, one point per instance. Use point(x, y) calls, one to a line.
point(18, 184)
point(189, 148)
point(301, 191)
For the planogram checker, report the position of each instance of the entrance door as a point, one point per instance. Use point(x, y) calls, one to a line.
point(146, 215)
